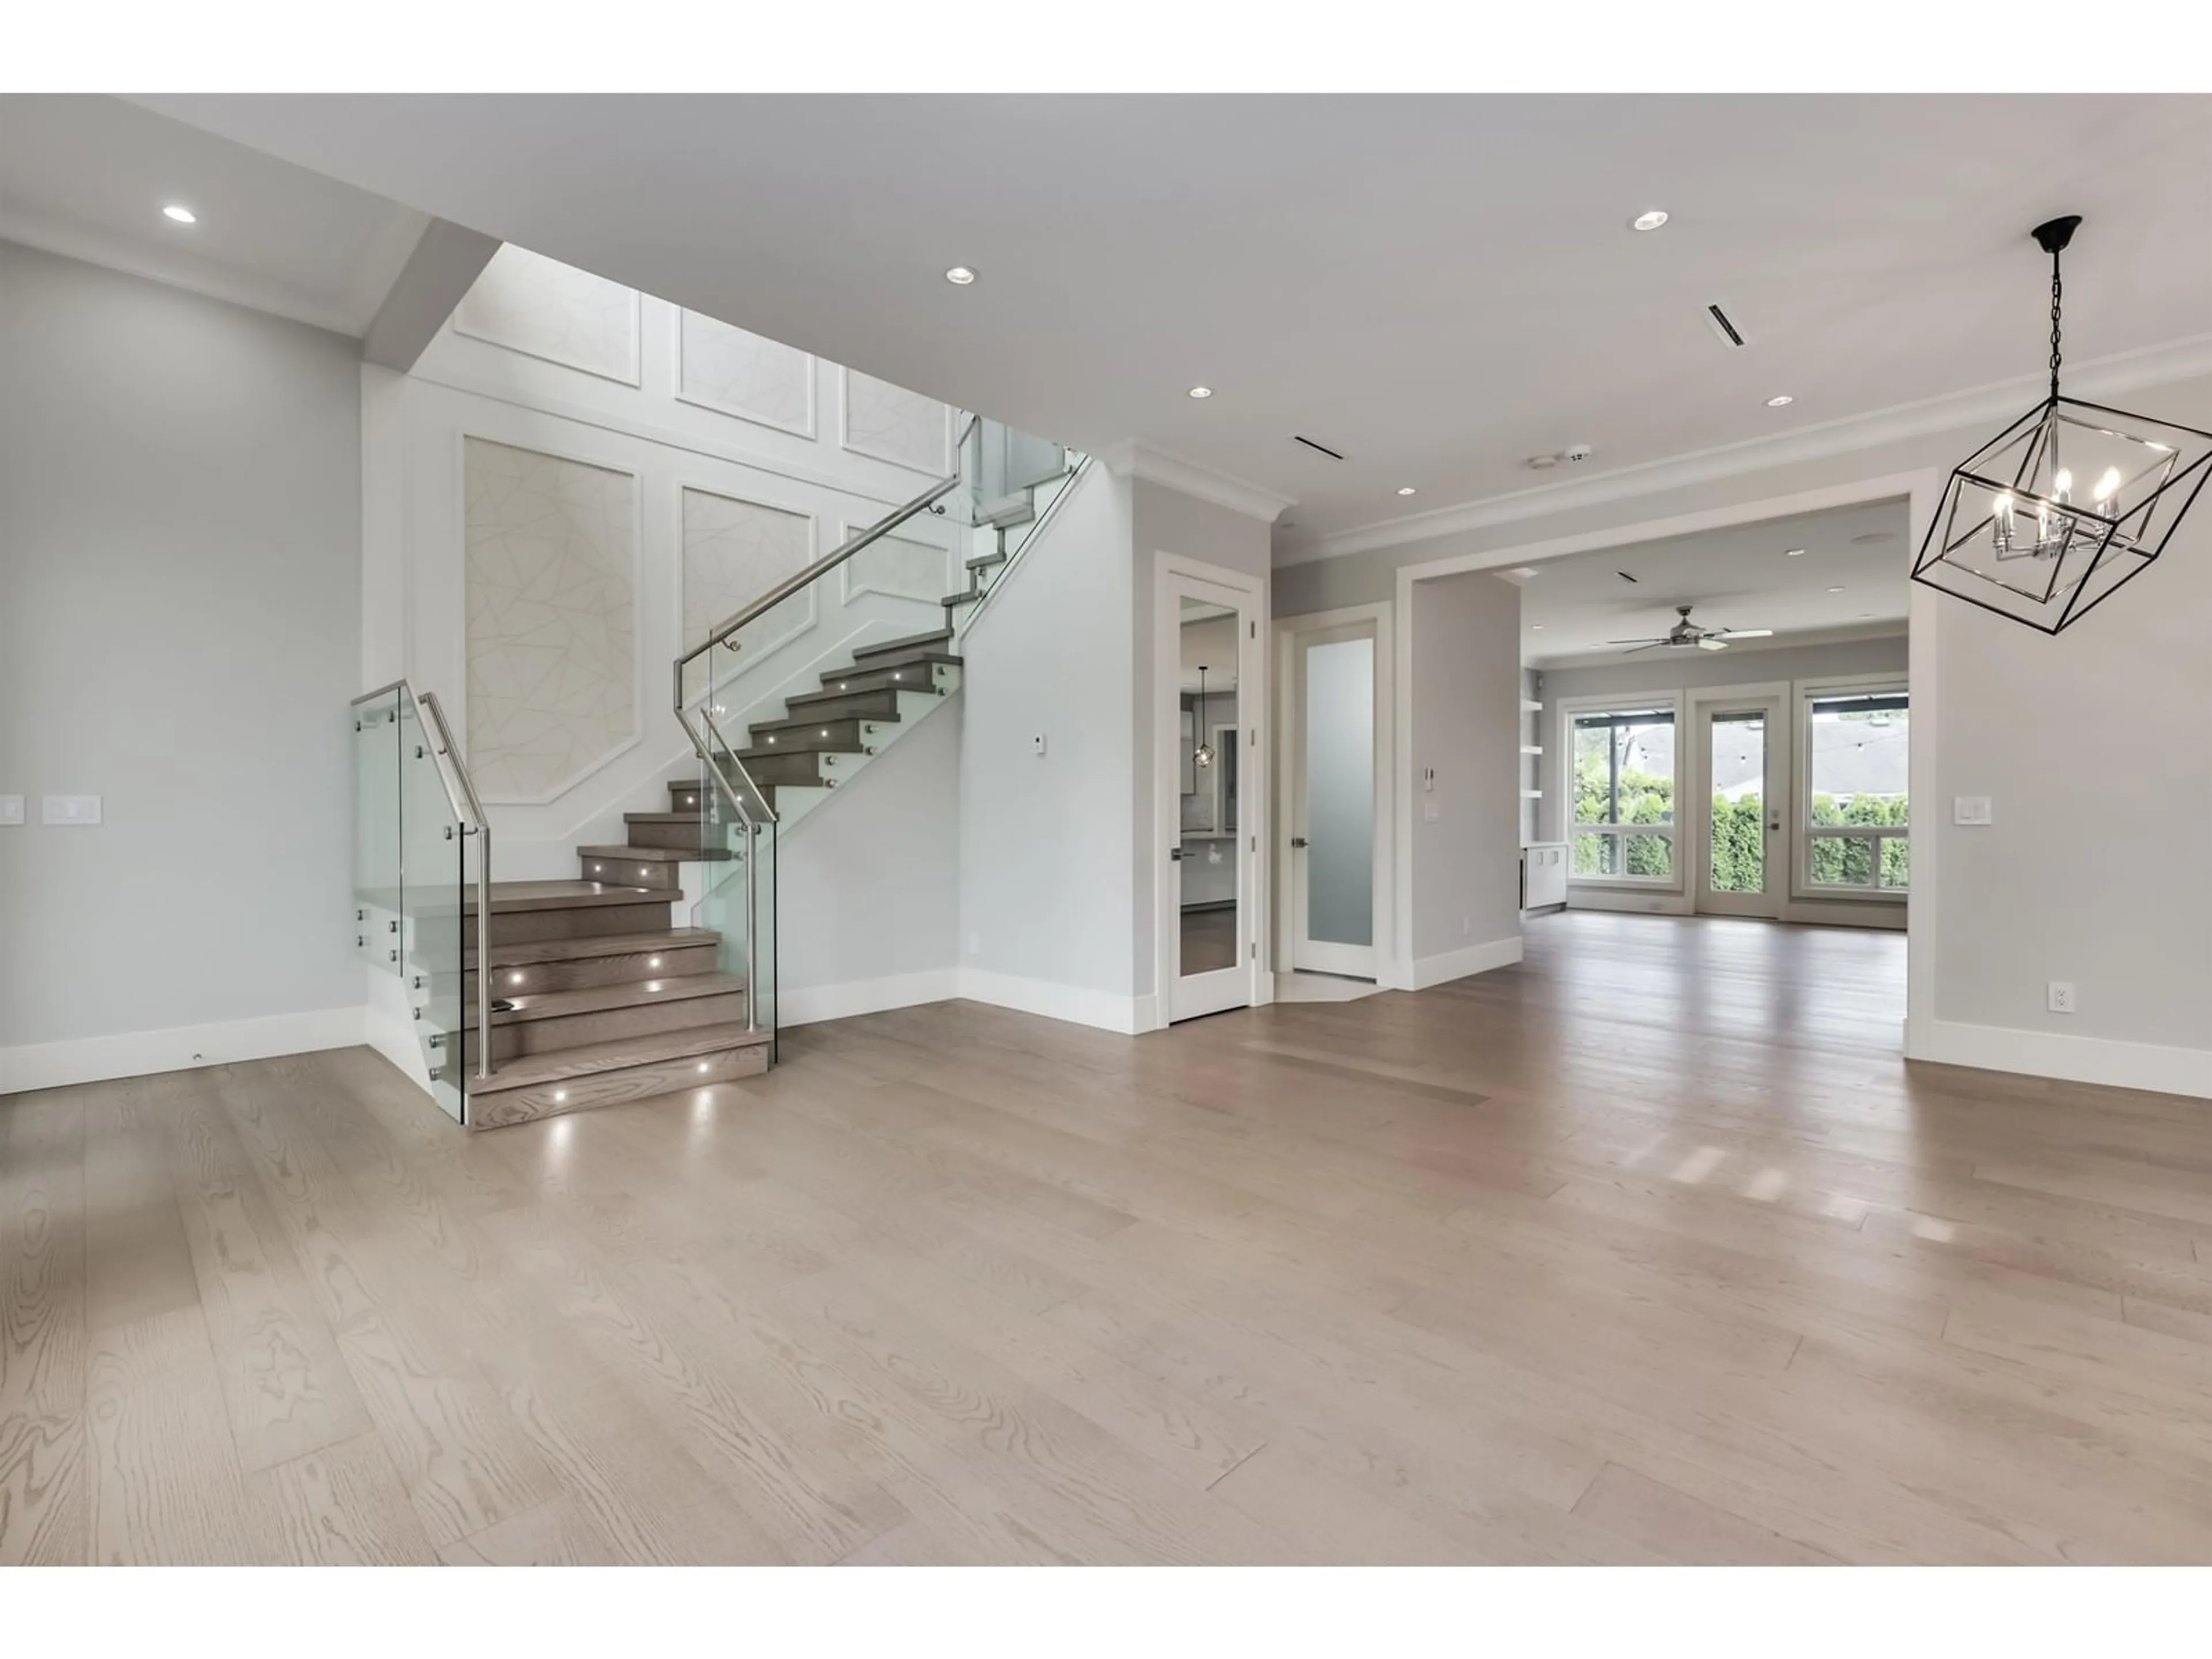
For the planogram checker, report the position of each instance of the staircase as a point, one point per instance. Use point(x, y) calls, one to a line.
point(598, 994)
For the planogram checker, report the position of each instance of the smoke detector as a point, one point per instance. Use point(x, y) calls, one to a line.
point(1577, 453)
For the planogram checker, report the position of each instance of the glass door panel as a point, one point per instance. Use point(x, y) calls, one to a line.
point(1212, 913)
point(1333, 810)
point(1742, 763)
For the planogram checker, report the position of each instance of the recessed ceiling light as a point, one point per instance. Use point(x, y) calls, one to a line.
point(1835, 590)
point(959, 276)
point(1781, 400)
point(1651, 221)
point(1201, 392)
point(183, 215)
point(1535, 628)
point(1405, 489)
point(1794, 553)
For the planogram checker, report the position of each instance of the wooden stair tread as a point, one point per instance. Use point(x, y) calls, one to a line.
point(691, 817)
point(507, 896)
point(604, 945)
point(588, 1059)
point(819, 721)
point(935, 636)
point(631, 994)
point(642, 855)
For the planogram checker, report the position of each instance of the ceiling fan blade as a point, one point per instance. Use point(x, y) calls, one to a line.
point(1661, 639)
point(1712, 642)
point(1648, 645)
point(1745, 633)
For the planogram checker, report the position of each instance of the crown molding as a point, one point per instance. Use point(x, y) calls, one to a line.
point(1893, 627)
point(2180, 360)
point(389, 250)
point(1135, 460)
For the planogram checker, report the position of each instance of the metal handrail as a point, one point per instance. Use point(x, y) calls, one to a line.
point(1036, 529)
point(790, 584)
point(467, 808)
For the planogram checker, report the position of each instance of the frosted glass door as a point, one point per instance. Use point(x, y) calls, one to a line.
point(1332, 835)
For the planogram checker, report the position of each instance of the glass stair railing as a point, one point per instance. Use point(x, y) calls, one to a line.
point(791, 698)
point(419, 834)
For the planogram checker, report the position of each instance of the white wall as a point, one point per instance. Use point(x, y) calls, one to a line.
point(180, 627)
point(2090, 744)
point(1465, 729)
point(1048, 842)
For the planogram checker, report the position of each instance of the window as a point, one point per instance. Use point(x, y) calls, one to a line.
point(1859, 818)
point(1624, 827)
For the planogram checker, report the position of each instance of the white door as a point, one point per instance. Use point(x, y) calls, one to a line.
point(1742, 771)
point(1332, 800)
point(1212, 789)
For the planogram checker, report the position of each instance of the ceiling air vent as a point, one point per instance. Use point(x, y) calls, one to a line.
point(1310, 444)
point(1624, 576)
point(1717, 320)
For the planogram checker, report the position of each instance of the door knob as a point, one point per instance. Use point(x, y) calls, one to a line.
point(1176, 852)
point(1298, 840)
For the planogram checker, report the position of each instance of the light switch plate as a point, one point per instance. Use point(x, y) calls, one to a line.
point(1970, 809)
point(1037, 744)
point(11, 808)
point(1431, 811)
point(75, 811)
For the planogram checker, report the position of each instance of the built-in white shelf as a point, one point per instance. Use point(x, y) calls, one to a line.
point(1530, 706)
point(1532, 748)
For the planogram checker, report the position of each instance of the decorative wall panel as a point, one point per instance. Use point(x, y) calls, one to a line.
point(753, 378)
point(529, 303)
point(734, 551)
point(551, 556)
point(893, 424)
point(899, 566)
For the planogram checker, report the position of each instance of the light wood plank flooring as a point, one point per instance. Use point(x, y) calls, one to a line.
point(1649, 1250)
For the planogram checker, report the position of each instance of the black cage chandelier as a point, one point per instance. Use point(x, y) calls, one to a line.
point(2046, 521)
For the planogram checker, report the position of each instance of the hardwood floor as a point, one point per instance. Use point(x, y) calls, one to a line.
point(1649, 1250)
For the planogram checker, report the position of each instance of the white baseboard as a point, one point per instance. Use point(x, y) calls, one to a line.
point(1638, 901)
point(139, 1053)
point(2074, 1059)
point(805, 1005)
point(1076, 1003)
point(1473, 959)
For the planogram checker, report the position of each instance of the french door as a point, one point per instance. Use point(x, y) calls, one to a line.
point(1211, 787)
point(1332, 800)
point(1742, 771)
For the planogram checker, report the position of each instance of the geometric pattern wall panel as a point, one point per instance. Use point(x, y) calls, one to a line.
point(747, 375)
point(893, 424)
point(734, 551)
point(529, 303)
point(904, 568)
point(552, 559)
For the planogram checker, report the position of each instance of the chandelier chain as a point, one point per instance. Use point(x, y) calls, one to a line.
point(2058, 295)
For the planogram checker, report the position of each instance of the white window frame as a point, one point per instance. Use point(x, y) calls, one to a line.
point(1669, 702)
point(1802, 887)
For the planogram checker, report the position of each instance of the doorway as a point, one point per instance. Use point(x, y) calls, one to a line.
point(1334, 893)
point(1741, 763)
point(1210, 787)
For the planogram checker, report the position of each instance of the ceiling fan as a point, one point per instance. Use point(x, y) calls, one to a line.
point(1686, 635)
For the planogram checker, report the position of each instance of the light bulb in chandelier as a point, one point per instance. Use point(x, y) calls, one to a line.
point(1202, 756)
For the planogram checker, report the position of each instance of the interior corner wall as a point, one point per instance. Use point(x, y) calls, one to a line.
point(1165, 520)
point(181, 610)
point(1465, 746)
point(2090, 746)
point(1046, 839)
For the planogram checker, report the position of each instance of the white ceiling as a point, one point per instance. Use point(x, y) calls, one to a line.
point(1740, 577)
point(88, 177)
point(1439, 287)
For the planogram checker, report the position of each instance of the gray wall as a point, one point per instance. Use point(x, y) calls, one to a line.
point(1467, 724)
point(1046, 844)
point(180, 632)
point(1673, 671)
point(2091, 746)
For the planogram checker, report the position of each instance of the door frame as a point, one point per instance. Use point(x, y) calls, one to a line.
point(1173, 576)
point(1773, 698)
point(1284, 922)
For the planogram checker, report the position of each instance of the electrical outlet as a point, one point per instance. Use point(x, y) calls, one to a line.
point(2061, 996)
point(1431, 811)
point(1970, 809)
point(1466, 928)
